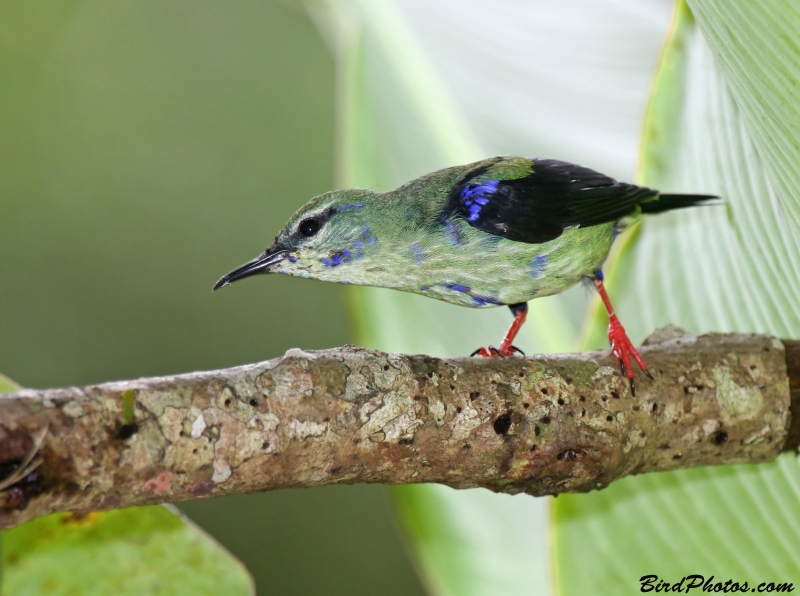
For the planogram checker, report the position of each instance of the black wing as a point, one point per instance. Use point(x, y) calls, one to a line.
point(539, 206)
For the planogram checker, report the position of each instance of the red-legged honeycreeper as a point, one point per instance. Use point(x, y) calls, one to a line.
point(495, 232)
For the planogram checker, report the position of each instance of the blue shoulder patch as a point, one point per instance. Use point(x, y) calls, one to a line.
point(475, 196)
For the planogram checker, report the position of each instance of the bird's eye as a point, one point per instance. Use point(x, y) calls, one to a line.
point(309, 227)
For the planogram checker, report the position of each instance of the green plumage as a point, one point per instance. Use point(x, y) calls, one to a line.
point(499, 231)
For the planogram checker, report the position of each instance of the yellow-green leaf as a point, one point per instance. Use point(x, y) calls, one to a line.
point(142, 550)
point(7, 385)
point(733, 267)
point(757, 47)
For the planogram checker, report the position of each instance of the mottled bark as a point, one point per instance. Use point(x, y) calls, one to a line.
point(541, 425)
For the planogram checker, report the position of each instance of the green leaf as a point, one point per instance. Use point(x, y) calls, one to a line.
point(7, 385)
point(734, 267)
point(757, 46)
point(143, 550)
point(733, 522)
point(476, 542)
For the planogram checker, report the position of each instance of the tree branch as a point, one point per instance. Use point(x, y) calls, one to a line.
point(541, 425)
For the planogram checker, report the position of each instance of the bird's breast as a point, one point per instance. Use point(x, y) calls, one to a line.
point(483, 271)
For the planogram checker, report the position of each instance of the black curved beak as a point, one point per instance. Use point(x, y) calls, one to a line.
point(260, 264)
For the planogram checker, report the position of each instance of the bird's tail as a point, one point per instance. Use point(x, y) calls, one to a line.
point(666, 202)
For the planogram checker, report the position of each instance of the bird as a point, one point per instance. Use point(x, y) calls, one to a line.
point(496, 232)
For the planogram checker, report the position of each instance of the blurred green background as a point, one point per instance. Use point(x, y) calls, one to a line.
point(146, 148)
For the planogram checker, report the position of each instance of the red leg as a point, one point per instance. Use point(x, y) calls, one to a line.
point(506, 348)
point(520, 314)
point(621, 346)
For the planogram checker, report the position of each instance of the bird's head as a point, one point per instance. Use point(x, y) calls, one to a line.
point(327, 238)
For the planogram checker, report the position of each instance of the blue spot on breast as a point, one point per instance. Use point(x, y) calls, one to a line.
point(475, 196)
point(337, 258)
point(616, 232)
point(292, 259)
point(476, 300)
point(419, 255)
point(457, 287)
point(367, 235)
point(358, 244)
point(484, 300)
point(538, 265)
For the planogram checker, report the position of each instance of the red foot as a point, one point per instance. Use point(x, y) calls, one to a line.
point(621, 346)
point(506, 349)
point(623, 350)
point(492, 352)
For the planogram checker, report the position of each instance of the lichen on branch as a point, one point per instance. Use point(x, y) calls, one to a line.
point(541, 425)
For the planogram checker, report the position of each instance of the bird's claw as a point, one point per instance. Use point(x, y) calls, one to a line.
point(623, 351)
point(501, 352)
point(482, 351)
